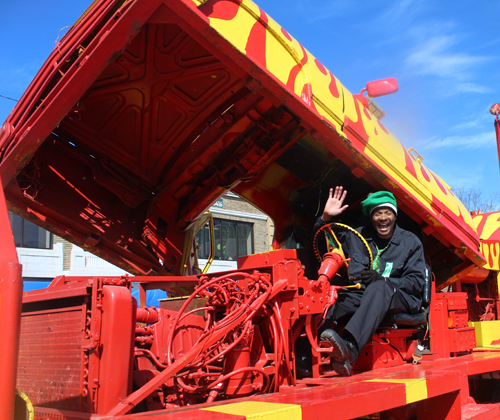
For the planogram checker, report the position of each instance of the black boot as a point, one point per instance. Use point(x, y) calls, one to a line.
point(344, 352)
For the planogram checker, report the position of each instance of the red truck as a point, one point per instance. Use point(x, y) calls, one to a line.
point(148, 111)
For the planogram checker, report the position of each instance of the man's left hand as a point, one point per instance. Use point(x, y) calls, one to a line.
point(367, 277)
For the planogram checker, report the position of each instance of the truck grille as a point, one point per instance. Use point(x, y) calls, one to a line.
point(51, 358)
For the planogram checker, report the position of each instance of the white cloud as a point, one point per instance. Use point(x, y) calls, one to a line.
point(469, 87)
point(491, 43)
point(475, 141)
point(399, 15)
point(477, 117)
point(436, 58)
point(467, 125)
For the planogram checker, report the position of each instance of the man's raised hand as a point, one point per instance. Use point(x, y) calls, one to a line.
point(335, 203)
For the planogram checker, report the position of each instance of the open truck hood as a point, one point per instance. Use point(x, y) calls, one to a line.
point(147, 111)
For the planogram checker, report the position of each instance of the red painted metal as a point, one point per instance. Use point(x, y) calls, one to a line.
point(449, 332)
point(101, 337)
point(11, 289)
point(175, 363)
point(116, 347)
point(393, 347)
point(211, 337)
point(50, 357)
point(246, 365)
point(495, 110)
point(179, 354)
point(145, 114)
point(165, 128)
point(147, 315)
point(237, 359)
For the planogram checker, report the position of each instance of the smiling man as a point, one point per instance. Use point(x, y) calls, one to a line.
point(392, 284)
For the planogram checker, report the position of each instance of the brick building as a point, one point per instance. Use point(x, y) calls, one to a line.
point(239, 228)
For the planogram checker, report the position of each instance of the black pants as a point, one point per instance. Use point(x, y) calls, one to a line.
point(366, 309)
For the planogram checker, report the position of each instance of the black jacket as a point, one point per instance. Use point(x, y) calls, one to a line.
point(405, 253)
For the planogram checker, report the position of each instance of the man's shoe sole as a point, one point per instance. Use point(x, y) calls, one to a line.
point(337, 353)
point(343, 369)
point(340, 359)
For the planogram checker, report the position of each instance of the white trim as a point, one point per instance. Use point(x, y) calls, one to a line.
point(219, 265)
point(390, 205)
point(84, 263)
point(41, 263)
point(215, 210)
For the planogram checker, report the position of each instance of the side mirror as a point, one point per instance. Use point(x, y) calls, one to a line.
point(375, 89)
point(382, 87)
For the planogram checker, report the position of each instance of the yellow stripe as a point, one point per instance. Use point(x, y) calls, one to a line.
point(487, 332)
point(30, 411)
point(485, 354)
point(416, 389)
point(260, 410)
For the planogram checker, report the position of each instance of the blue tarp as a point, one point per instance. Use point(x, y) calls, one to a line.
point(153, 297)
point(35, 284)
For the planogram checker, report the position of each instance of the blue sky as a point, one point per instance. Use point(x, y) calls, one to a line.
point(445, 56)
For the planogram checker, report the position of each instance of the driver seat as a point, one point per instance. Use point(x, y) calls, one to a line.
point(396, 340)
point(404, 319)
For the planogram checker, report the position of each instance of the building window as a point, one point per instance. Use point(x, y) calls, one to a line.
point(233, 239)
point(29, 235)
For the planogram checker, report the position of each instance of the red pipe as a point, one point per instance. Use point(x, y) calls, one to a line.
point(11, 293)
point(206, 341)
point(495, 110)
point(497, 132)
point(147, 315)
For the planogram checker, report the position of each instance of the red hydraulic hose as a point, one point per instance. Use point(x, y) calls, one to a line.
point(181, 311)
point(244, 369)
point(243, 333)
point(286, 349)
point(277, 351)
point(205, 341)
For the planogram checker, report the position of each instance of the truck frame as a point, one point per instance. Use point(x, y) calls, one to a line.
point(148, 111)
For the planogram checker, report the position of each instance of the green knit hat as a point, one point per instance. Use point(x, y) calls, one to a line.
point(377, 200)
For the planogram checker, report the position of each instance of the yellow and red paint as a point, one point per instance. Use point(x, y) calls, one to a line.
point(253, 33)
point(415, 388)
point(488, 229)
point(259, 410)
point(345, 398)
point(487, 334)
